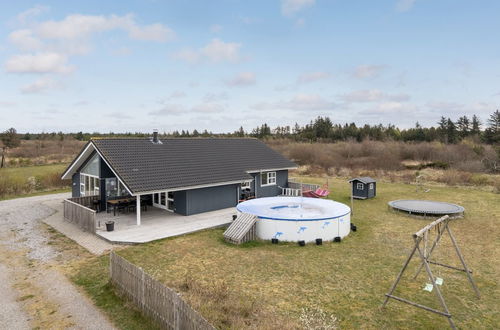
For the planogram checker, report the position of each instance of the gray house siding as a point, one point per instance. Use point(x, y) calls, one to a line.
point(206, 199)
point(75, 179)
point(180, 202)
point(75, 185)
point(272, 190)
point(105, 172)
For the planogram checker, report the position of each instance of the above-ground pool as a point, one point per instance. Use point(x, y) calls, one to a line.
point(298, 218)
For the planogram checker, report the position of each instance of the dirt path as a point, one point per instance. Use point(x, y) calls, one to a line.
point(36, 294)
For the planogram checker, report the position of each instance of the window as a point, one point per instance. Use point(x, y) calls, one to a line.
point(89, 185)
point(360, 186)
point(370, 186)
point(246, 185)
point(268, 178)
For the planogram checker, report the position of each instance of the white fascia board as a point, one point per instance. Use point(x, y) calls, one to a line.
point(112, 170)
point(193, 187)
point(76, 162)
point(272, 169)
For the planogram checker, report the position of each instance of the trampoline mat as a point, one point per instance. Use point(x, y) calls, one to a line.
point(426, 207)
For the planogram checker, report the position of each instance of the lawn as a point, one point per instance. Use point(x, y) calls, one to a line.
point(260, 285)
point(32, 180)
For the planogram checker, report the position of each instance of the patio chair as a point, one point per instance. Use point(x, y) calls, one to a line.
point(122, 206)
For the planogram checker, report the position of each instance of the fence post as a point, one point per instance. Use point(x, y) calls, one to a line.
point(143, 284)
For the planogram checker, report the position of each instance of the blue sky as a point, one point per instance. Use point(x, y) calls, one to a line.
point(172, 65)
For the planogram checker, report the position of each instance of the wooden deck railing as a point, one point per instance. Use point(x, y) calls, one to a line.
point(87, 201)
point(303, 186)
point(153, 298)
point(80, 215)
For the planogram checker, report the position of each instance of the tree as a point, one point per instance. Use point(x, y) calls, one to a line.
point(463, 126)
point(492, 133)
point(476, 126)
point(451, 131)
point(10, 140)
point(442, 128)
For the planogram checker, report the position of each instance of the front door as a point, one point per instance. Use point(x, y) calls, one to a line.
point(164, 200)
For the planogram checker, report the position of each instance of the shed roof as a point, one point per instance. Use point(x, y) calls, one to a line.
point(364, 179)
point(186, 162)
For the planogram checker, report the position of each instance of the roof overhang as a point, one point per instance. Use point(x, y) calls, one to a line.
point(208, 185)
point(272, 169)
point(82, 158)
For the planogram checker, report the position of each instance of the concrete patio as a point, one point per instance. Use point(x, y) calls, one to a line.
point(157, 224)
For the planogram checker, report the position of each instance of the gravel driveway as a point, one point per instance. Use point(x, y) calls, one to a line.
point(33, 293)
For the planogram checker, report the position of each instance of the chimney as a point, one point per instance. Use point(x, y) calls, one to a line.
point(155, 136)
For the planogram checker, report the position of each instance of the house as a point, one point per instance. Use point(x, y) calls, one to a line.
point(363, 187)
point(182, 175)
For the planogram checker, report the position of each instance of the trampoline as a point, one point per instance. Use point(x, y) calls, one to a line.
point(426, 208)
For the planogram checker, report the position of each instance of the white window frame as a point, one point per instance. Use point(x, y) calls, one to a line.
point(157, 200)
point(84, 189)
point(246, 185)
point(360, 186)
point(370, 186)
point(271, 179)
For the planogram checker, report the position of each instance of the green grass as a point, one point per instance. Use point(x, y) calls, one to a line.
point(15, 181)
point(260, 285)
point(94, 278)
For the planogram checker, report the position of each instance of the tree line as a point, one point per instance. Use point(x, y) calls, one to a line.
point(320, 129)
point(446, 131)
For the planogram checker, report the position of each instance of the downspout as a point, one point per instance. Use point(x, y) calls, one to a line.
point(258, 175)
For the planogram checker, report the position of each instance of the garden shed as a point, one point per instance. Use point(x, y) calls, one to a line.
point(363, 187)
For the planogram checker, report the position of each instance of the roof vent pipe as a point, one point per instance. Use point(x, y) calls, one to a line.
point(155, 136)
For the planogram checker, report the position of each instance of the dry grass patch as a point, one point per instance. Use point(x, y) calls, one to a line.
point(260, 285)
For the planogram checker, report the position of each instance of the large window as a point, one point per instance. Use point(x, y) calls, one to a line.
point(268, 178)
point(89, 185)
point(114, 188)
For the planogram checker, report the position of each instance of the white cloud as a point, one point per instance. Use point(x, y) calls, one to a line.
point(312, 76)
point(38, 63)
point(187, 55)
point(300, 22)
point(290, 7)
point(215, 28)
point(208, 108)
point(83, 26)
point(38, 86)
point(444, 106)
point(215, 51)
point(25, 40)
point(212, 97)
point(390, 108)
point(299, 102)
point(373, 95)
point(242, 79)
point(405, 5)
point(7, 104)
point(220, 51)
point(177, 94)
point(154, 32)
point(368, 71)
point(27, 15)
point(168, 110)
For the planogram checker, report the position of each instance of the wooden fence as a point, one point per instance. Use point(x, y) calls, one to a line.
point(303, 186)
point(80, 215)
point(87, 201)
point(153, 298)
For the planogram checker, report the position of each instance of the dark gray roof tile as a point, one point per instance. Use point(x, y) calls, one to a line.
point(183, 162)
